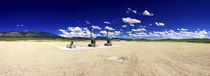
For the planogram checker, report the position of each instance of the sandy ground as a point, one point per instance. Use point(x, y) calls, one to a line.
point(141, 59)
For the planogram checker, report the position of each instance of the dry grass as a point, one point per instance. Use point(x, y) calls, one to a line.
point(141, 59)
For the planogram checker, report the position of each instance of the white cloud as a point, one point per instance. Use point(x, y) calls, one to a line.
point(117, 32)
point(132, 25)
point(103, 32)
point(76, 32)
point(203, 32)
point(129, 32)
point(182, 29)
point(124, 26)
point(19, 25)
point(107, 22)
point(75, 29)
point(109, 28)
point(65, 33)
point(111, 34)
point(96, 27)
point(171, 34)
point(159, 24)
point(143, 26)
point(150, 24)
point(87, 22)
point(134, 11)
point(130, 10)
point(130, 21)
point(138, 35)
point(127, 12)
point(147, 13)
point(139, 29)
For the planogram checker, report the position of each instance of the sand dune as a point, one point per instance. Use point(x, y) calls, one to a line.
point(140, 59)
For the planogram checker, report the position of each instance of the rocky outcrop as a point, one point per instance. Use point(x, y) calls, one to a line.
point(28, 34)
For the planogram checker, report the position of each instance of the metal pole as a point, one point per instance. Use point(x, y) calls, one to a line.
point(90, 31)
point(107, 31)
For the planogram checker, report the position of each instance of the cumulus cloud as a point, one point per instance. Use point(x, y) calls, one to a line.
point(130, 21)
point(143, 26)
point(65, 33)
point(107, 22)
point(139, 29)
point(182, 29)
point(109, 28)
point(130, 10)
point(138, 35)
point(203, 32)
point(124, 26)
point(76, 32)
point(159, 24)
point(19, 25)
point(75, 29)
point(96, 27)
point(147, 13)
point(129, 32)
point(171, 34)
point(87, 22)
point(111, 34)
point(127, 12)
point(103, 32)
point(150, 24)
point(134, 11)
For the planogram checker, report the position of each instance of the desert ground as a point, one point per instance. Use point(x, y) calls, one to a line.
point(140, 59)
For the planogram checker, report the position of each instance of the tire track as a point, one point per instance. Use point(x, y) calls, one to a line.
point(132, 63)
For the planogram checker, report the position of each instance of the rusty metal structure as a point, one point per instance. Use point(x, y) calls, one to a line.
point(93, 41)
point(108, 39)
point(71, 45)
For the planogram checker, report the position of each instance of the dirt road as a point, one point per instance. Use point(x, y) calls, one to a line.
point(141, 59)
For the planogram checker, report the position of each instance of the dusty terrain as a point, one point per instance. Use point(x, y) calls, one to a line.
point(141, 59)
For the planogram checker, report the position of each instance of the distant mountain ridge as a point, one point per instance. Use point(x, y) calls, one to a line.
point(40, 34)
point(27, 34)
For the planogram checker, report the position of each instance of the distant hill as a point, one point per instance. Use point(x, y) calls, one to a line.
point(28, 34)
point(40, 34)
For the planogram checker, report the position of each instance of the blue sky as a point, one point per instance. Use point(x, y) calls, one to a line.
point(175, 19)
